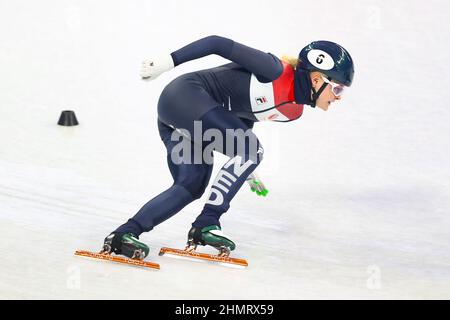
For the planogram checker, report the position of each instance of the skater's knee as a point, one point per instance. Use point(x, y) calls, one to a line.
point(245, 145)
point(252, 151)
point(193, 188)
point(195, 182)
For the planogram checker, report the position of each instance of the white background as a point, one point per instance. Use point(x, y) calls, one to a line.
point(359, 196)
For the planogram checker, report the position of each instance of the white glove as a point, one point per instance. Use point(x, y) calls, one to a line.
point(153, 67)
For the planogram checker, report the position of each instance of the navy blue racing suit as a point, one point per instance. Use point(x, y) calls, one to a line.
point(219, 98)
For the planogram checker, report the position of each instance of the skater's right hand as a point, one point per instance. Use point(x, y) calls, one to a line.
point(256, 185)
point(151, 68)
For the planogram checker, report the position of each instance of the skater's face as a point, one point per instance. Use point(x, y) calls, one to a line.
point(327, 96)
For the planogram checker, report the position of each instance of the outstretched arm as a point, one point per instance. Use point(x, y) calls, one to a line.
point(263, 64)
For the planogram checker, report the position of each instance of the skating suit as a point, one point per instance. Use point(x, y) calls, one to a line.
point(255, 86)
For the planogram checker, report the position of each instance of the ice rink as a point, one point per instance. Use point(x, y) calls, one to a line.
point(359, 196)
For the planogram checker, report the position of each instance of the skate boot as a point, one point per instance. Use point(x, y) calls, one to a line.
point(126, 244)
point(212, 236)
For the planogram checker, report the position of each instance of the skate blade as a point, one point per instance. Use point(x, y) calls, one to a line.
point(108, 257)
point(196, 256)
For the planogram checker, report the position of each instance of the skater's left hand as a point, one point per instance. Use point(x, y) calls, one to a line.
point(256, 185)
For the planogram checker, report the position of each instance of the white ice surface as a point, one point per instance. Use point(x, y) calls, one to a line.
point(359, 196)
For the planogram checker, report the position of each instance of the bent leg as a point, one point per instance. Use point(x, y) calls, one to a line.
point(245, 155)
point(190, 181)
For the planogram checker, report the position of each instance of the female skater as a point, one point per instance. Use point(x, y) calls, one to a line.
point(226, 100)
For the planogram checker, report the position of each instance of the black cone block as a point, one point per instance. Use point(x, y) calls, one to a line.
point(68, 119)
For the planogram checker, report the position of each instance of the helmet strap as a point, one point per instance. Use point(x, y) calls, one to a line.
point(316, 94)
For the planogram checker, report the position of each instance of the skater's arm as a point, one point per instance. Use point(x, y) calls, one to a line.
point(265, 65)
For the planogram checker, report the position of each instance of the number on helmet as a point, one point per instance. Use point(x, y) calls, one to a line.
point(320, 59)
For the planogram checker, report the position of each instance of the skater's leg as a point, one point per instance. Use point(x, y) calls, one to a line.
point(190, 181)
point(244, 158)
point(181, 103)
